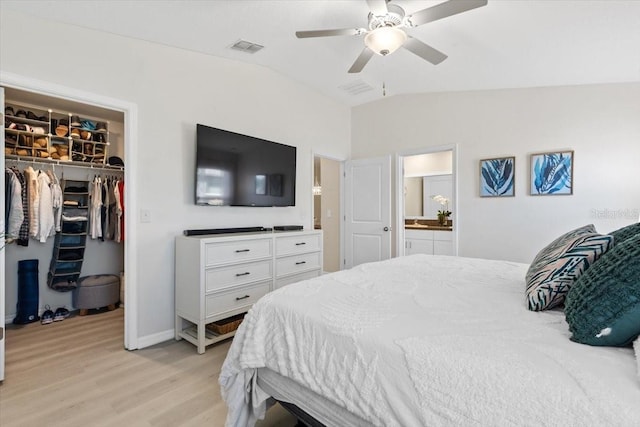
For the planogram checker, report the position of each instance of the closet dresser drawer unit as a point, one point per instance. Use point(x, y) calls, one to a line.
point(221, 276)
point(298, 256)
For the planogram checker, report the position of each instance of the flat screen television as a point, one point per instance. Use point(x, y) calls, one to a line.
point(239, 170)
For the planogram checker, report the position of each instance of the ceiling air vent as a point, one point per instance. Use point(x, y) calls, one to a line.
point(356, 88)
point(245, 46)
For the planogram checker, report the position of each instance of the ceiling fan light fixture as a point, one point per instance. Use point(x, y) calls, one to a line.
point(385, 40)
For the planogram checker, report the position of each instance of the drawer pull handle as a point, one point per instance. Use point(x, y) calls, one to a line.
point(242, 250)
point(240, 298)
point(246, 273)
point(301, 243)
point(301, 262)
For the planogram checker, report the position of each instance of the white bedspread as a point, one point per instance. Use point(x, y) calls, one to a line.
point(429, 341)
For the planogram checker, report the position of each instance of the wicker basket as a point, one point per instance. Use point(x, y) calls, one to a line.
point(227, 325)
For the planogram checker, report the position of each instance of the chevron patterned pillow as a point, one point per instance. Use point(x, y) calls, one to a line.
point(557, 266)
point(603, 306)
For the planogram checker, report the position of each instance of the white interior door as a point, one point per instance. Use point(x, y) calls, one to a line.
point(367, 210)
point(2, 269)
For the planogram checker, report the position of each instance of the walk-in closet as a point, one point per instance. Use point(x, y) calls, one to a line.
point(63, 215)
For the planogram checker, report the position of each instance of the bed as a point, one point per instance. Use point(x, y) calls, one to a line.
point(423, 340)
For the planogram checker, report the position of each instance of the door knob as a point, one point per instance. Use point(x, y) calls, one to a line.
point(386, 229)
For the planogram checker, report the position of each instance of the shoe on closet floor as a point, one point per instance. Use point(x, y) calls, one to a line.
point(47, 316)
point(61, 314)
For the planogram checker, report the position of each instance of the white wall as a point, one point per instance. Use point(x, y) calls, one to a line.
point(601, 123)
point(173, 90)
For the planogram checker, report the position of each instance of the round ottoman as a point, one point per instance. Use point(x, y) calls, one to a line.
point(101, 290)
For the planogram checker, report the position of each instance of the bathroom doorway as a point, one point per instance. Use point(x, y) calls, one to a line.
point(427, 203)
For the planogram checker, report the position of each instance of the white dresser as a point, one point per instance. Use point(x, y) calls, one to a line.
point(223, 275)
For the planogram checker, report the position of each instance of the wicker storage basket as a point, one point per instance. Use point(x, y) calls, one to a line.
point(227, 325)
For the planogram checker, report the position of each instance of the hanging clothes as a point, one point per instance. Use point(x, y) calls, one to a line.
point(104, 208)
point(118, 211)
point(46, 226)
point(56, 199)
point(95, 210)
point(23, 234)
point(121, 218)
point(111, 226)
point(14, 214)
point(31, 177)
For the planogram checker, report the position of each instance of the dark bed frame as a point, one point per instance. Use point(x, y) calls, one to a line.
point(304, 419)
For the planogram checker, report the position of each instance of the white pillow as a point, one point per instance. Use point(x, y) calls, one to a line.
point(636, 345)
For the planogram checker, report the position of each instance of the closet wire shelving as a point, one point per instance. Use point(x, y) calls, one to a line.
point(83, 142)
point(62, 163)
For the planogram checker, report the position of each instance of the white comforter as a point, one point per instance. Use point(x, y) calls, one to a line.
point(429, 341)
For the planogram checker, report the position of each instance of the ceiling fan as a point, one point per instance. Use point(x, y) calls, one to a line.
point(386, 30)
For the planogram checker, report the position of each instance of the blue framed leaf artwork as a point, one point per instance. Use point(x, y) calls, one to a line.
point(552, 173)
point(497, 177)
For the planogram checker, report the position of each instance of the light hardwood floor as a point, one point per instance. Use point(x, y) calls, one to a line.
point(77, 373)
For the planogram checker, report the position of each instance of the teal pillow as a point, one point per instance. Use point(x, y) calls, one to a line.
point(556, 267)
point(622, 234)
point(603, 306)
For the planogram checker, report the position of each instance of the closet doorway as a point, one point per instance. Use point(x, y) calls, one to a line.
point(101, 257)
point(327, 209)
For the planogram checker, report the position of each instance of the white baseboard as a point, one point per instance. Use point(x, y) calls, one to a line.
point(149, 340)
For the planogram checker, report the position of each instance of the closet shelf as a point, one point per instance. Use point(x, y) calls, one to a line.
point(74, 246)
point(25, 120)
point(26, 132)
point(48, 132)
point(64, 163)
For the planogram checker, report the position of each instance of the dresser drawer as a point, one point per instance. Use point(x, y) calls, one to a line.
point(236, 299)
point(298, 244)
point(237, 274)
point(225, 252)
point(298, 263)
point(283, 281)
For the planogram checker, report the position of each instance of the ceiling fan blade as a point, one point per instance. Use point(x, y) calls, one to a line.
point(442, 10)
point(361, 60)
point(328, 33)
point(424, 51)
point(378, 7)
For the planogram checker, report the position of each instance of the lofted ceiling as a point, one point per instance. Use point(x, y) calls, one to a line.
point(506, 44)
